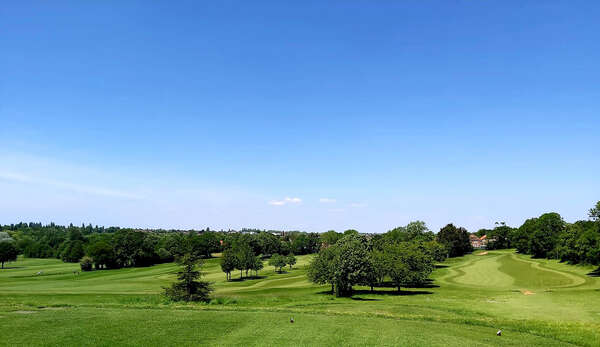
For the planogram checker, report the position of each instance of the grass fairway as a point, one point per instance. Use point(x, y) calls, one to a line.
point(535, 302)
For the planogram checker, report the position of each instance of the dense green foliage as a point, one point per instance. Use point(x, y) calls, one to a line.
point(189, 287)
point(405, 255)
point(114, 248)
point(278, 262)
point(456, 240)
point(8, 251)
point(549, 236)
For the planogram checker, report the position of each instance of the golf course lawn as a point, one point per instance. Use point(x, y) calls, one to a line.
point(534, 302)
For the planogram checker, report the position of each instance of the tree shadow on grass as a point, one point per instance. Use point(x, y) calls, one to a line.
point(441, 266)
point(595, 273)
point(428, 284)
point(363, 299)
point(392, 292)
point(379, 292)
point(247, 278)
point(325, 292)
point(11, 267)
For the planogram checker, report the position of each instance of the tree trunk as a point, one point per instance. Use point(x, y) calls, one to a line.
point(371, 288)
point(241, 274)
point(332, 289)
point(398, 289)
point(3, 265)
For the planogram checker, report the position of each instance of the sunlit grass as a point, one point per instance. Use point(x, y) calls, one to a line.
point(469, 300)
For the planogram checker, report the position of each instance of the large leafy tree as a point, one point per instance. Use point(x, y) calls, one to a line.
point(543, 240)
point(377, 270)
point(228, 263)
point(413, 231)
point(520, 237)
point(499, 237)
point(72, 251)
point(436, 250)
point(418, 230)
point(290, 260)
point(455, 239)
point(257, 264)
point(321, 270)
point(278, 262)
point(409, 264)
point(8, 252)
point(268, 242)
point(244, 255)
point(102, 255)
point(352, 265)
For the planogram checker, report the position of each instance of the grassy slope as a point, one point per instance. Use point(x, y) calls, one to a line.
point(476, 295)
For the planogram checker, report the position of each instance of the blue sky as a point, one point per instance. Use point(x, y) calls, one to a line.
point(304, 115)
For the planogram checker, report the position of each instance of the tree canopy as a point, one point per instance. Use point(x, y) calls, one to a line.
point(455, 239)
point(8, 252)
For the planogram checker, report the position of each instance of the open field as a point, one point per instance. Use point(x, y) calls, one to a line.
point(535, 302)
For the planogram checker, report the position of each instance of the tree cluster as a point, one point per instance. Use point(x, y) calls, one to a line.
point(245, 252)
point(549, 236)
point(404, 255)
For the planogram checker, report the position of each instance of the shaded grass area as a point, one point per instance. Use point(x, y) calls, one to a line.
point(124, 307)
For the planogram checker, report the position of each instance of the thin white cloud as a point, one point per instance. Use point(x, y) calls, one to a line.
point(286, 200)
point(336, 210)
point(78, 188)
point(327, 200)
point(358, 204)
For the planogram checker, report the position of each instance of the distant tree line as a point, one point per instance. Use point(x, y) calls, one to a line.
point(549, 236)
point(113, 248)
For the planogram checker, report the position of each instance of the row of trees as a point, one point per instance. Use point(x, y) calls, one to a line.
point(111, 248)
point(404, 255)
point(239, 254)
point(549, 236)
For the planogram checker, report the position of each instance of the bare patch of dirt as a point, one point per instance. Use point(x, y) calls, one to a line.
point(24, 312)
point(527, 292)
point(483, 253)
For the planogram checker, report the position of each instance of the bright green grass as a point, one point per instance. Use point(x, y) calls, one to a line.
point(509, 270)
point(476, 296)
